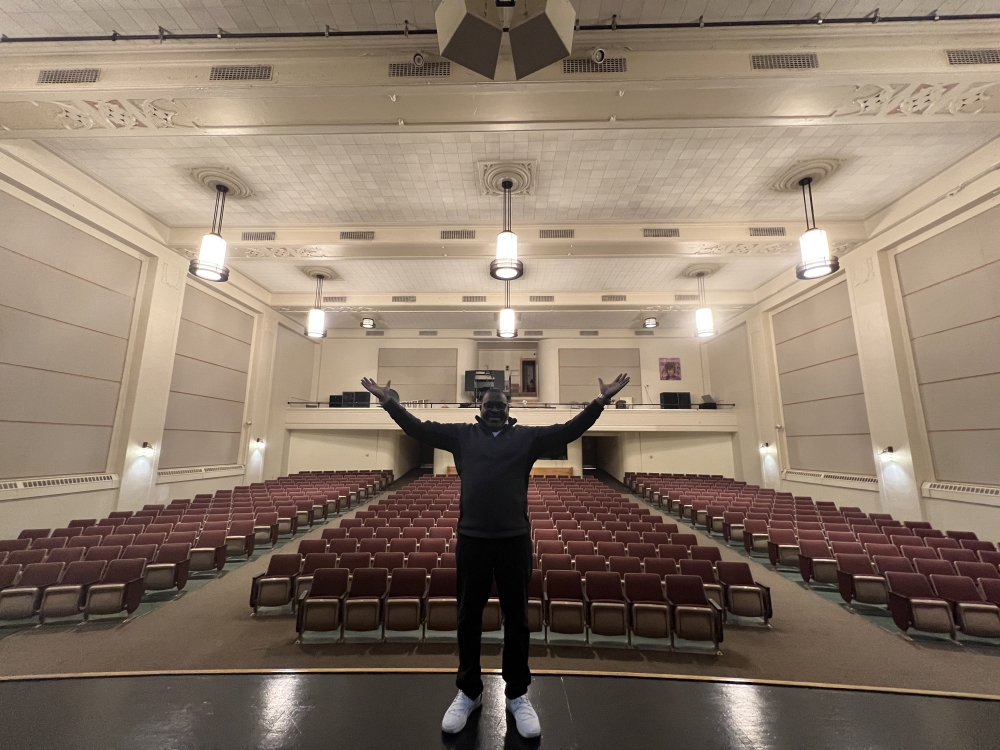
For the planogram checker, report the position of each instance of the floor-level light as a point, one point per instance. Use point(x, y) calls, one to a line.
point(813, 244)
point(506, 266)
point(211, 262)
point(704, 320)
point(316, 323)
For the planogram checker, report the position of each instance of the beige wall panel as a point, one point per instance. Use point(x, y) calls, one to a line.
point(611, 358)
point(570, 376)
point(730, 374)
point(28, 395)
point(960, 353)
point(185, 448)
point(186, 412)
point(207, 345)
point(294, 365)
point(404, 357)
point(204, 379)
point(955, 302)
point(34, 287)
point(586, 393)
point(968, 404)
point(38, 450)
point(440, 393)
point(204, 309)
point(820, 310)
point(969, 245)
point(842, 377)
point(833, 416)
point(418, 375)
point(835, 341)
point(32, 341)
point(949, 514)
point(848, 454)
point(320, 450)
point(35, 234)
point(54, 511)
point(966, 456)
point(672, 452)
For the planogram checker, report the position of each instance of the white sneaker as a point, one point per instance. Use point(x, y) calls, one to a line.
point(525, 717)
point(458, 712)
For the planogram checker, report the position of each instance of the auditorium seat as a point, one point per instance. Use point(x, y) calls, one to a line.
point(605, 604)
point(103, 553)
point(389, 560)
point(404, 602)
point(9, 575)
point(693, 616)
point(322, 608)
point(706, 572)
point(170, 569)
point(312, 562)
point(442, 600)
point(67, 598)
point(858, 581)
point(816, 562)
point(661, 566)
point(365, 598)
point(755, 536)
point(426, 560)
point(914, 604)
point(741, 594)
point(587, 563)
point(641, 550)
point(970, 612)
point(977, 571)
point(120, 589)
point(145, 552)
point(564, 603)
point(675, 552)
point(240, 539)
point(22, 601)
point(536, 610)
point(209, 552)
point(649, 613)
point(782, 547)
point(65, 555)
point(929, 567)
point(276, 586)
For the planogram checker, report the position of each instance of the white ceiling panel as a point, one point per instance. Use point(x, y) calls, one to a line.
point(627, 175)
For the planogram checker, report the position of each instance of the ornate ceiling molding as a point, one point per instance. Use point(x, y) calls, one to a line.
point(492, 174)
point(907, 100)
point(117, 114)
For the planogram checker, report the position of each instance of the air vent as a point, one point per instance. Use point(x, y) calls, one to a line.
point(458, 234)
point(258, 236)
point(227, 467)
point(665, 232)
point(340, 300)
point(482, 333)
point(767, 231)
point(404, 298)
point(972, 489)
point(473, 298)
point(428, 69)
point(586, 65)
point(613, 298)
point(974, 57)
point(368, 235)
point(61, 481)
point(589, 333)
point(556, 234)
point(643, 333)
point(534, 333)
point(8, 485)
point(686, 298)
point(541, 298)
point(69, 75)
point(240, 73)
point(793, 61)
point(374, 333)
point(428, 333)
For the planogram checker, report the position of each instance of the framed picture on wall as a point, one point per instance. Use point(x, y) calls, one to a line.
point(670, 368)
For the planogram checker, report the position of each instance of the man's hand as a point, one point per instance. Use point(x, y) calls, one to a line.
point(382, 394)
point(610, 390)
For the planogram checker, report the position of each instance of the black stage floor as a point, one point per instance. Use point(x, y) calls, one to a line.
point(389, 711)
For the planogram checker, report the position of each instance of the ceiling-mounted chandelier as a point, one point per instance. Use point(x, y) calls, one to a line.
point(506, 266)
point(316, 322)
point(813, 244)
point(507, 320)
point(211, 262)
point(704, 320)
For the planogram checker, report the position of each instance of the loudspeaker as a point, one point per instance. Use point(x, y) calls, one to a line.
point(336, 401)
point(469, 33)
point(675, 400)
point(541, 33)
point(364, 398)
point(347, 400)
point(683, 400)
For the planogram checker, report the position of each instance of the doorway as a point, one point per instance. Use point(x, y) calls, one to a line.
point(529, 377)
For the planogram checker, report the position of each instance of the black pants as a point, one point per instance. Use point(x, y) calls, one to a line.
point(480, 562)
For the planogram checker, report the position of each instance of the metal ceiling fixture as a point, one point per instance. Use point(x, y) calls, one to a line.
point(650, 323)
point(813, 244)
point(507, 320)
point(211, 262)
point(506, 266)
point(368, 322)
point(704, 320)
point(316, 323)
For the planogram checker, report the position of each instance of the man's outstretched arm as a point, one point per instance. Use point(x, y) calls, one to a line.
point(439, 435)
point(561, 434)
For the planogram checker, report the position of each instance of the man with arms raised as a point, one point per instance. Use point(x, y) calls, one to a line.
point(494, 459)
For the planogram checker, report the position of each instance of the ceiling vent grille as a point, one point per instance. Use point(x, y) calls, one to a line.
point(767, 231)
point(482, 333)
point(374, 333)
point(473, 298)
point(366, 235)
point(69, 75)
point(613, 298)
point(974, 57)
point(8, 485)
point(258, 236)
point(541, 298)
point(586, 65)
point(589, 333)
point(404, 298)
point(458, 234)
point(428, 69)
point(686, 298)
point(793, 61)
point(60, 481)
point(973, 489)
point(556, 234)
point(428, 333)
point(643, 333)
point(335, 299)
point(240, 73)
point(665, 232)
point(534, 333)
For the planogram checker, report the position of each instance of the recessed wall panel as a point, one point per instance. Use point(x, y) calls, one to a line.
point(579, 370)
point(426, 374)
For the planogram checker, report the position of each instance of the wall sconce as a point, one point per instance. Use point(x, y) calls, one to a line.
point(886, 455)
point(147, 450)
point(258, 442)
point(765, 448)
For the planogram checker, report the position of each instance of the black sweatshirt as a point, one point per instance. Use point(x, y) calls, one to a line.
point(494, 470)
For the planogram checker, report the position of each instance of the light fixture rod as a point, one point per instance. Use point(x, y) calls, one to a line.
point(701, 289)
point(319, 292)
point(807, 202)
point(507, 213)
point(220, 208)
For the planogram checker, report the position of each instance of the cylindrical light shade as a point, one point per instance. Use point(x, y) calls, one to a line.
point(507, 325)
point(650, 323)
point(506, 266)
point(211, 263)
point(368, 322)
point(704, 322)
point(316, 326)
point(816, 258)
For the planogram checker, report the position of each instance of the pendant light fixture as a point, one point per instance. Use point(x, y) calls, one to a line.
point(211, 262)
point(813, 244)
point(368, 322)
point(650, 323)
point(506, 266)
point(704, 320)
point(507, 322)
point(316, 323)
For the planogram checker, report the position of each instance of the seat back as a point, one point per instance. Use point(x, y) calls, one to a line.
point(426, 560)
point(977, 570)
point(661, 566)
point(815, 549)
point(124, 571)
point(329, 582)
point(885, 564)
point(781, 536)
point(369, 583)
point(389, 560)
point(64, 555)
point(83, 573)
point(343, 546)
point(144, 551)
point(676, 552)
point(604, 586)
point(956, 588)
point(355, 561)
point(444, 583)
point(912, 553)
point(933, 567)
point(8, 574)
point(317, 561)
point(736, 573)
point(685, 590)
point(641, 550)
point(610, 549)
point(587, 563)
point(623, 565)
point(310, 546)
point(885, 550)
point(687, 540)
point(701, 568)
point(910, 585)
point(103, 553)
point(644, 588)
point(564, 584)
point(39, 575)
point(408, 582)
point(211, 539)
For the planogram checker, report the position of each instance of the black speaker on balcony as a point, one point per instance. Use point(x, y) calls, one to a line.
point(363, 399)
point(336, 401)
point(675, 400)
point(347, 400)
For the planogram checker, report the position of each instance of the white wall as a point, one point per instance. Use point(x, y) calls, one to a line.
point(668, 453)
point(321, 450)
point(294, 362)
point(574, 459)
point(732, 382)
point(53, 511)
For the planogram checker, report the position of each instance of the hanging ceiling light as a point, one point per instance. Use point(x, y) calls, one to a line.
point(814, 245)
point(507, 322)
point(704, 320)
point(316, 324)
point(368, 322)
point(211, 262)
point(506, 266)
point(650, 323)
